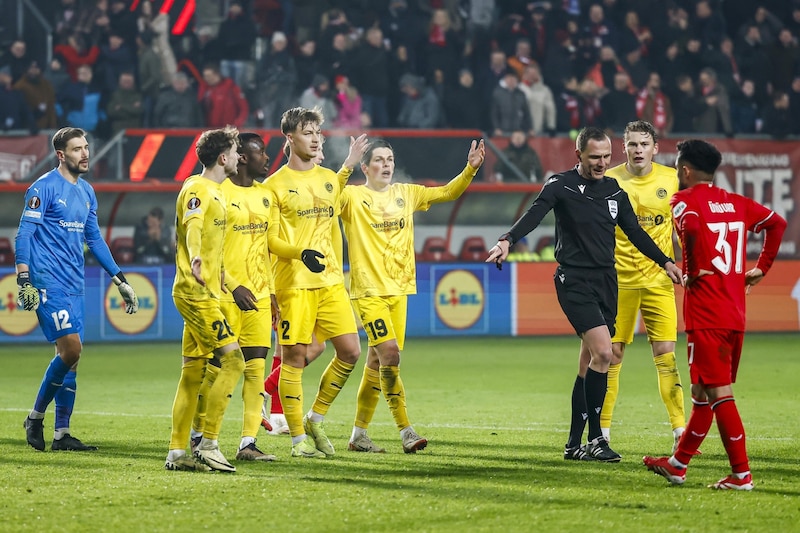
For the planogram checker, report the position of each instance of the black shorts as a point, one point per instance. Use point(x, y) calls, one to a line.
point(588, 297)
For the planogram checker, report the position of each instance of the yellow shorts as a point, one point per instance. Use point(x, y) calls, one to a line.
point(325, 311)
point(252, 328)
point(658, 312)
point(383, 317)
point(204, 327)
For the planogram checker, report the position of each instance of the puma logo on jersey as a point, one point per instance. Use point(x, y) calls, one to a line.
point(369, 206)
point(294, 191)
point(236, 206)
point(62, 201)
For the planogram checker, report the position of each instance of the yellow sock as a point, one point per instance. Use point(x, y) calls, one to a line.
point(290, 387)
point(185, 403)
point(369, 392)
point(669, 384)
point(231, 368)
point(331, 382)
point(199, 421)
point(395, 394)
point(611, 396)
point(253, 396)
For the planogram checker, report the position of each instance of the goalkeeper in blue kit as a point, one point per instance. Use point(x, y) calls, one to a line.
point(59, 216)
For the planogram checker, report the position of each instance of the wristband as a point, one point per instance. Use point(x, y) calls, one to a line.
point(508, 238)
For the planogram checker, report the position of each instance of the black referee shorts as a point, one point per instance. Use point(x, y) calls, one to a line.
point(587, 296)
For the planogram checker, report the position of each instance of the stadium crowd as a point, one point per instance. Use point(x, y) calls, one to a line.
point(541, 67)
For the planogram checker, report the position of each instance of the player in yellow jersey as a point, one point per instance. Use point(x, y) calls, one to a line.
point(310, 294)
point(643, 285)
point(378, 222)
point(249, 307)
point(200, 232)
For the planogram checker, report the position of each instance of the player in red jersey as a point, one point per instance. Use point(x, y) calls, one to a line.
point(712, 225)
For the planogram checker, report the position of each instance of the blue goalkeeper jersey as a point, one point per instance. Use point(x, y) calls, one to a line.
point(57, 219)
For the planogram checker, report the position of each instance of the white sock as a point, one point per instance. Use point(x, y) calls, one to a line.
point(174, 455)
point(194, 434)
point(246, 441)
point(208, 444)
point(606, 432)
point(59, 433)
point(405, 431)
point(298, 439)
point(36, 415)
point(740, 475)
point(677, 432)
point(677, 464)
point(357, 432)
point(315, 416)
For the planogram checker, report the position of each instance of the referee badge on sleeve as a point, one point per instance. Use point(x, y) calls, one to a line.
point(612, 208)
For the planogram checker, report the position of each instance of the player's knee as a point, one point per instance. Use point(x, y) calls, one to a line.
point(233, 360)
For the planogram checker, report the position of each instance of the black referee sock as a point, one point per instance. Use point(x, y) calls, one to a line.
point(578, 422)
point(595, 387)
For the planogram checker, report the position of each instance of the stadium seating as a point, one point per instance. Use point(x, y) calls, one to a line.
point(6, 252)
point(122, 249)
point(473, 249)
point(434, 249)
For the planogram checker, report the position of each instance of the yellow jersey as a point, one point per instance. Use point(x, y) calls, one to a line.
point(246, 255)
point(303, 207)
point(200, 199)
point(649, 195)
point(379, 227)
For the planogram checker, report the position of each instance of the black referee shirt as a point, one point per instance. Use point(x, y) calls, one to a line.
point(587, 211)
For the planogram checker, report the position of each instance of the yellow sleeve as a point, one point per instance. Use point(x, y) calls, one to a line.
point(277, 245)
point(194, 236)
point(454, 188)
point(343, 175)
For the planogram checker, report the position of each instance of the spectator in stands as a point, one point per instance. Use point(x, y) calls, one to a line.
point(319, 96)
point(687, 106)
point(560, 63)
point(540, 33)
point(348, 104)
point(634, 35)
point(75, 54)
point(122, 21)
point(669, 66)
point(637, 68)
point(601, 29)
point(464, 95)
point(420, 108)
point(510, 29)
point(236, 37)
point(590, 109)
point(125, 108)
point(65, 20)
point(568, 106)
point(509, 107)
point(784, 60)
point(160, 27)
point(717, 116)
point(222, 100)
point(93, 22)
point(14, 111)
point(693, 58)
point(39, 95)
point(152, 241)
point(654, 106)
point(17, 59)
point(767, 23)
point(277, 78)
point(520, 163)
point(725, 64)
point(80, 101)
point(745, 112)
point(522, 56)
point(541, 104)
point(337, 60)
point(402, 30)
point(371, 75)
point(307, 64)
point(487, 78)
point(777, 116)
point(753, 59)
point(708, 24)
point(444, 49)
point(307, 15)
point(177, 107)
point(56, 73)
point(115, 58)
point(150, 75)
point(794, 21)
point(619, 105)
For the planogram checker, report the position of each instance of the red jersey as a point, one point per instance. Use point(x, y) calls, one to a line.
point(712, 225)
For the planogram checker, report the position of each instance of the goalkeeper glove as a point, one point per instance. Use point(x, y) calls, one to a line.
point(27, 294)
point(311, 259)
point(126, 291)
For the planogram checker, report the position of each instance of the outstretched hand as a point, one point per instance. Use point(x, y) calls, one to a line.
point(358, 147)
point(498, 253)
point(477, 153)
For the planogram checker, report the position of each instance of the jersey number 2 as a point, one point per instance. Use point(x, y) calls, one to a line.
point(728, 258)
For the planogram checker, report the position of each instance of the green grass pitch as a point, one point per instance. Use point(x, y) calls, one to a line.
point(495, 411)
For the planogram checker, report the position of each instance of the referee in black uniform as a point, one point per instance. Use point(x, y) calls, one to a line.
point(587, 207)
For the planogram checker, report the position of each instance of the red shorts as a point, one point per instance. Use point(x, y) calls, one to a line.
point(714, 356)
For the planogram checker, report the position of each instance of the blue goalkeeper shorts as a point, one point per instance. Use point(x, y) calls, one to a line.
point(60, 314)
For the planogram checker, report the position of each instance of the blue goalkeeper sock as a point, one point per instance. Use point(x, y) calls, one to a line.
point(65, 402)
point(52, 381)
